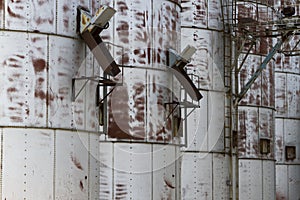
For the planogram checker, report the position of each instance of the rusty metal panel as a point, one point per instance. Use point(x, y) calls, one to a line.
point(159, 94)
point(281, 182)
point(65, 56)
point(166, 30)
point(253, 96)
point(133, 31)
point(132, 171)
point(127, 107)
point(215, 15)
point(267, 129)
point(248, 132)
point(66, 13)
point(291, 63)
point(268, 182)
point(268, 86)
point(106, 170)
point(194, 13)
point(16, 15)
point(72, 165)
point(292, 136)
point(293, 97)
point(280, 94)
point(294, 181)
point(196, 176)
point(165, 171)
point(94, 167)
point(215, 121)
point(23, 171)
point(250, 186)
point(217, 62)
point(202, 61)
point(24, 79)
point(42, 16)
point(197, 124)
point(220, 176)
point(279, 140)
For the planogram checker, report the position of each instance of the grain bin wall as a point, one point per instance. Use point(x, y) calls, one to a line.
point(139, 154)
point(256, 110)
point(287, 122)
point(48, 143)
point(205, 164)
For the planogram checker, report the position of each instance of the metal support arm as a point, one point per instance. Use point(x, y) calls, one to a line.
point(262, 67)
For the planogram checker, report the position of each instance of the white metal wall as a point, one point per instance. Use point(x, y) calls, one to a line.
point(49, 146)
point(133, 164)
point(205, 165)
point(256, 109)
point(287, 81)
point(287, 89)
point(139, 171)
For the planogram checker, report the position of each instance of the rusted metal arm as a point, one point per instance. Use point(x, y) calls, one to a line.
point(262, 67)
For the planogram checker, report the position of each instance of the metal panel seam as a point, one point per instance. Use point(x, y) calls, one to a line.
point(54, 164)
point(1, 156)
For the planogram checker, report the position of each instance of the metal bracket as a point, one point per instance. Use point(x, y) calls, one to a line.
point(177, 63)
point(100, 80)
point(89, 28)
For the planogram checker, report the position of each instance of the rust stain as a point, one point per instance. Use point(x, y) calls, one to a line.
point(40, 94)
point(169, 184)
point(12, 89)
point(66, 8)
point(39, 65)
point(1, 5)
point(12, 14)
point(81, 186)
point(76, 162)
point(16, 119)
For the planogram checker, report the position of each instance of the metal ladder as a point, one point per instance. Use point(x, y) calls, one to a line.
point(228, 17)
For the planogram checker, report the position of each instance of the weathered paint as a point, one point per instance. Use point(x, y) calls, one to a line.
point(204, 176)
point(257, 179)
point(147, 171)
point(287, 90)
point(39, 58)
point(256, 116)
point(71, 166)
point(24, 79)
point(204, 173)
point(22, 166)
